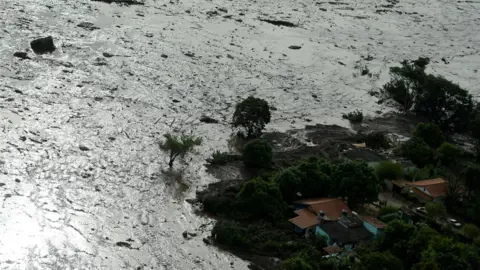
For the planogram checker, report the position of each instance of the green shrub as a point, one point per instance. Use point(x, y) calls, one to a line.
point(220, 158)
point(252, 114)
point(418, 152)
point(389, 170)
point(354, 117)
point(429, 133)
point(387, 210)
point(375, 140)
point(257, 154)
point(297, 262)
point(448, 153)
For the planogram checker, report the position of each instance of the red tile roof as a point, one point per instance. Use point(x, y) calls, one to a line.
point(333, 249)
point(332, 207)
point(375, 222)
point(436, 187)
point(305, 219)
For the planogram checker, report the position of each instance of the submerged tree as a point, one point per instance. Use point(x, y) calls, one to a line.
point(178, 146)
point(252, 114)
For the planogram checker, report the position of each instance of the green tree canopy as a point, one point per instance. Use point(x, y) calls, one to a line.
point(418, 152)
point(289, 182)
point(389, 170)
point(252, 114)
point(448, 153)
point(436, 210)
point(471, 231)
point(261, 199)
point(178, 146)
point(356, 181)
point(296, 262)
point(380, 261)
point(429, 133)
point(257, 154)
point(396, 232)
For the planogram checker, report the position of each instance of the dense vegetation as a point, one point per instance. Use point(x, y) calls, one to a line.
point(253, 216)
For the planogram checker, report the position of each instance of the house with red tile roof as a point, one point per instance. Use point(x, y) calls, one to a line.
point(429, 190)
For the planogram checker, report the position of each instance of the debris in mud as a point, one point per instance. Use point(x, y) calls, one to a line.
point(122, 2)
point(223, 10)
point(108, 55)
point(83, 147)
point(207, 241)
point(99, 61)
point(43, 45)
point(22, 55)
point(23, 138)
point(88, 26)
point(164, 55)
point(208, 120)
point(189, 54)
point(124, 244)
point(445, 61)
point(279, 22)
point(295, 47)
point(212, 13)
point(2, 184)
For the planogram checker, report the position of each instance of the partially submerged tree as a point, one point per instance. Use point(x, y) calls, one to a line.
point(430, 133)
point(257, 154)
point(178, 146)
point(252, 114)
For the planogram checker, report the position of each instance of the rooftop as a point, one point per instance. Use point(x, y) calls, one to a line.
point(305, 219)
point(375, 222)
point(333, 249)
point(332, 207)
point(436, 187)
point(343, 235)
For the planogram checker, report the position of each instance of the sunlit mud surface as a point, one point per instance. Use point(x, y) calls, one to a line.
point(81, 185)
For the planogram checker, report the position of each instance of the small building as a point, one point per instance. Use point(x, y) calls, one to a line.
point(312, 212)
point(429, 190)
point(373, 225)
point(332, 251)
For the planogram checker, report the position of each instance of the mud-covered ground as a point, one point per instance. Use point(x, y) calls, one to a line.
point(80, 173)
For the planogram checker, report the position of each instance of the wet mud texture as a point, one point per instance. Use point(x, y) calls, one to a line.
point(80, 173)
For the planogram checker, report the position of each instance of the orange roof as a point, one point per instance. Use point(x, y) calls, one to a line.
point(375, 222)
point(305, 219)
point(333, 208)
point(333, 249)
point(436, 187)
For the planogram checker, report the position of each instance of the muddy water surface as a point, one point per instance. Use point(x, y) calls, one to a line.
point(80, 172)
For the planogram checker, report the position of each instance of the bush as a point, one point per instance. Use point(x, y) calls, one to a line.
point(387, 210)
point(429, 133)
point(220, 158)
point(448, 153)
point(296, 263)
point(257, 154)
point(471, 231)
point(354, 117)
point(252, 114)
point(389, 170)
point(418, 152)
point(375, 140)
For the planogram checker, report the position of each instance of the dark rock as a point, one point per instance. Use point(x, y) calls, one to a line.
point(123, 2)
point(228, 16)
point(279, 22)
point(17, 180)
point(175, 100)
point(98, 98)
point(21, 55)
point(164, 55)
point(295, 47)
point(314, 96)
point(223, 10)
point(239, 20)
point(207, 241)
point(18, 91)
point(112, 138)
point(99, 61)
point(192, 234)
point(191, 201)
point(108, 55)
point(83, 148)
point(212, 13)
point(23, 138)
point(189, 54)
point(445, 60)
point(230, 56)
point(341, 63)
point(88, 26)
point(208, 120)
point(43, 45)
point(123, 244)
point(2, 184)
point(185, 234)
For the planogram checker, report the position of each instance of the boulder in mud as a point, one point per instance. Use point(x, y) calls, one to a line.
point(21, 55)
point(88, 26)
point(295, 47)
point(208, 120)
point(43, 45)
point(123, 2)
